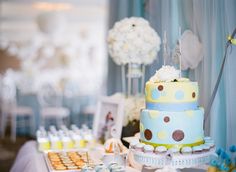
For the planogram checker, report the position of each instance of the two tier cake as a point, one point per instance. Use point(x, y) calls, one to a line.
point(172, 118)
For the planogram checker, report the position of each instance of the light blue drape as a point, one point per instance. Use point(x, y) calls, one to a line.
point(230, 78)
point(211, 21)
point(119, 9)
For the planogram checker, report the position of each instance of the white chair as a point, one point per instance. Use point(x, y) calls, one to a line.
point(10, 109)
point(51, 106)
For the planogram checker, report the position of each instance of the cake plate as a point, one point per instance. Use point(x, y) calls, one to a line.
point(172, 162)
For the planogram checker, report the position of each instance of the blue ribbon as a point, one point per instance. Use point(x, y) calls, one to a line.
point(208, 109)
point(172, 106)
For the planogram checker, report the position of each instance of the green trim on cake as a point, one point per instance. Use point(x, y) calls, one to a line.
point(174, 145)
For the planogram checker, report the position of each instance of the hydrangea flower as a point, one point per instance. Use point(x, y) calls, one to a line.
point(166, 74)
point(133, 40)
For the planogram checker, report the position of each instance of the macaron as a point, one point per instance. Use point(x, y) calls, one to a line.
point(148, 149)
point(160, 150)
point(186, 150)
point(60, 167)
point(139, 147)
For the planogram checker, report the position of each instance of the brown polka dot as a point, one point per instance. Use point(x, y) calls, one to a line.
point(178, 135)
point(193, 94)
point(160, 87)
point(166, 119)
point(148, 134)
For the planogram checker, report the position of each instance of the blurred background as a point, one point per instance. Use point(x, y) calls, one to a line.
point(54, 60)
point(59, 46)
point(52, 54)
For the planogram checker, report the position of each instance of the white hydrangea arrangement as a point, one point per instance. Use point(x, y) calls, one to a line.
point(133, 40)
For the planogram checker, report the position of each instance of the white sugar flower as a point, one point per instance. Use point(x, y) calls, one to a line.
point(132, 40)
point(166, 73)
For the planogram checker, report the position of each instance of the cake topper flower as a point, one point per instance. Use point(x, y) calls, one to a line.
point(133, 40)
point(165, 73)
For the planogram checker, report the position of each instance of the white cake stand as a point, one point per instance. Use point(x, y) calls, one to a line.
point(169, 162)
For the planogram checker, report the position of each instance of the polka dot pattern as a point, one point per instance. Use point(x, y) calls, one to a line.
point(162, 135)
point(148, 134)
point(178, 135)
point(179, 95)
point(166, 119)
point(155, 94)
point(160, 87)
point(193, 95)
point(153, 114)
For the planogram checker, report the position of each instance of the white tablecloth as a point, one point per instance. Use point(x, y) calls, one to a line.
point(30, 160)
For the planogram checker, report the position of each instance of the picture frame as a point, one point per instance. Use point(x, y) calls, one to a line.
point(109, 116)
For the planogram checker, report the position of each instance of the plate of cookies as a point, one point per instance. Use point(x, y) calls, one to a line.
point(68, 161)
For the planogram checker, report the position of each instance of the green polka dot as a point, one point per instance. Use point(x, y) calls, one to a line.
point(141, 127)
point(153, 114)
point(162, 135)
point(190, 113)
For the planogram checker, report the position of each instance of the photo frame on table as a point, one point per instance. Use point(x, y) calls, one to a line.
point(108, 118)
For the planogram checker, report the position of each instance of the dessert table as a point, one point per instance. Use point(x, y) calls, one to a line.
point(30, 159)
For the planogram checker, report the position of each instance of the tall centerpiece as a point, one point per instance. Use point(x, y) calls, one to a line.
point(133, 43)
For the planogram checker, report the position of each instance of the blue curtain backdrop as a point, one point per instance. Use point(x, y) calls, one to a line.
point(212, 21)
point(119, 9)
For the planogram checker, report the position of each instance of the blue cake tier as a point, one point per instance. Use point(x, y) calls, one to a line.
point(172, 128)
